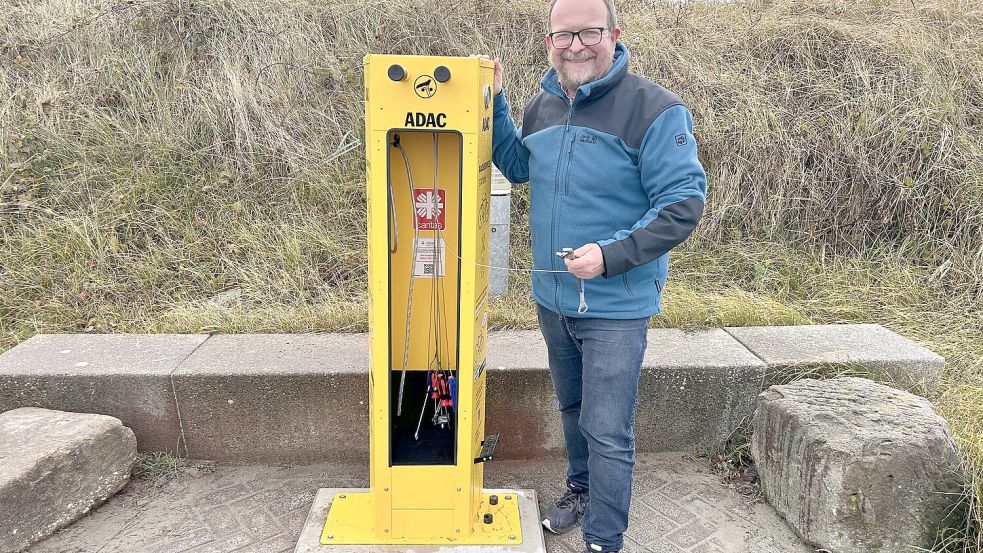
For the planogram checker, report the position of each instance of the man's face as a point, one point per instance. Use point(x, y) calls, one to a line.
point(581, 64)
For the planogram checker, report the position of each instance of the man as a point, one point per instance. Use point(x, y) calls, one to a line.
point(611, 161)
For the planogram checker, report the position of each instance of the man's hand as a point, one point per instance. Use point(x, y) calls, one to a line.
point(587, 262)
point(498, 72)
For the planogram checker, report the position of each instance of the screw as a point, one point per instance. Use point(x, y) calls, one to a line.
point(459, 489)
point(458, 530)
point(512, 538)
point(385, 489)
point(508, 498)
point(330, 536)
point(386, 530)
point(342, 496)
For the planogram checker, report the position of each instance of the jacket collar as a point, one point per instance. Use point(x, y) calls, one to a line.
point(551, 82)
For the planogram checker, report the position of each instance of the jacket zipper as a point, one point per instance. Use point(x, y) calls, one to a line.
point(566, 172)
point(556, 193)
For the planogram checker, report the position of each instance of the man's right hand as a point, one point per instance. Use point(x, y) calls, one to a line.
point(498, 72)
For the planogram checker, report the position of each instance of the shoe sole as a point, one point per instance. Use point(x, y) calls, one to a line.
point(545, 523)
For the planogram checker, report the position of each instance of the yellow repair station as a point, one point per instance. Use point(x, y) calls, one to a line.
point(428, 176)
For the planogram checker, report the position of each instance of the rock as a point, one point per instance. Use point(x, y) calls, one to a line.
point(856, 466)
point(55, 467)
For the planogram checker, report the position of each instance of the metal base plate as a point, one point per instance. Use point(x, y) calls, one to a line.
point(310, 538)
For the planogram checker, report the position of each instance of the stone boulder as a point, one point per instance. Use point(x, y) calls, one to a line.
point(856, 466)
point(55, 467)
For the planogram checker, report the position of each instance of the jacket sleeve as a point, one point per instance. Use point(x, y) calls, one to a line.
point(675, 184)
point(509, 154)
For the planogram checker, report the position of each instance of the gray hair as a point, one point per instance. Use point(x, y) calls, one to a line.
point(609, 4)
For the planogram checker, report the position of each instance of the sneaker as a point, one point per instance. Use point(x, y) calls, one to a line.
point(594, 548)
point(563, 516)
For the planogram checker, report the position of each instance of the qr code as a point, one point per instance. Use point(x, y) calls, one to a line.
point(428, 269)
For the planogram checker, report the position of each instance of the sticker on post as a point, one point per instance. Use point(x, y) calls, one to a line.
point(430, 259)
point(429, 208)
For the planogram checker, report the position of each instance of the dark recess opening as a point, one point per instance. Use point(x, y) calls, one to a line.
point(436, 444)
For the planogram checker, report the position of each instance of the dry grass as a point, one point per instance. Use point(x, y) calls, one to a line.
point(196, 165)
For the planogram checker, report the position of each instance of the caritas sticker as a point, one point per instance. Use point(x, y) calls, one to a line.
point(429, 208)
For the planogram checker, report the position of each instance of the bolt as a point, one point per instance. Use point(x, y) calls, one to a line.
point(330, 536)
point(386, 530)
point(385, 489)
point(458, 530)
point(508, 498)
point(459, 489)
point(512, 538)
point(342, 496)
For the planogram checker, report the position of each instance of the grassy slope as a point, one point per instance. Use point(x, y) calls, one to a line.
point(156, 155)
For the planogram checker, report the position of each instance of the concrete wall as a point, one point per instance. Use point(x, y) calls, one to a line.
point(303, 397)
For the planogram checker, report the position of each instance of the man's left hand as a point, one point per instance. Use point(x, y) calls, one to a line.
point(588, 261)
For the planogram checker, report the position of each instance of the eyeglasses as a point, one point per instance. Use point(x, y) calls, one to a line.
point(588, 37)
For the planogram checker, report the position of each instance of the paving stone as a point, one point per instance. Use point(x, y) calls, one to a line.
point(710, 546)
point(293, 521)
point(172, 514)
point(663, 545)
point(222, 520)
point(692, 533)
point(640, 511)
point(228, 494)
point(229, 542)
point(668, 508)
point(677, 490)
point(632, 547)
point(257, 520)
point(187, 539)
point(651, 529)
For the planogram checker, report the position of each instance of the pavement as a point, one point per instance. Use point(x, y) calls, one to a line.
point(679, 505)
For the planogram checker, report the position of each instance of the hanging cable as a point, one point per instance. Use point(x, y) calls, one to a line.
point(392, 213)
point(409, 294)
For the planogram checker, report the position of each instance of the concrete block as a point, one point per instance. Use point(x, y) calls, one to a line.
point(856, 466)
point(56, 467)
point(126, 376)
point(304, 397)
point(695, 389)
point(532, 531)
point(857, 349)
point(276, 398)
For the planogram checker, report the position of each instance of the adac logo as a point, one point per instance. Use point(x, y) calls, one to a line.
point(425, 86)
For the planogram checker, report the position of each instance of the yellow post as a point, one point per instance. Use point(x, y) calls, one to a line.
point(428, 178)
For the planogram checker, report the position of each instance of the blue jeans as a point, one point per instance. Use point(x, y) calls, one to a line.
point(595, 364)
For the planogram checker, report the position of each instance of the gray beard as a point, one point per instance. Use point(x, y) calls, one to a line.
point(570, 87)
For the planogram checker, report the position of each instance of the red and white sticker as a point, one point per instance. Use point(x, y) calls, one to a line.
point(429, 208)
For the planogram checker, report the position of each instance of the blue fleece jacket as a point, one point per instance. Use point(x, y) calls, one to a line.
point(616, 166)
